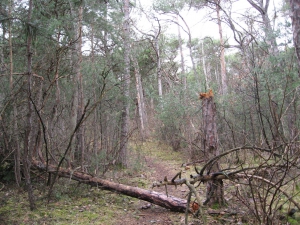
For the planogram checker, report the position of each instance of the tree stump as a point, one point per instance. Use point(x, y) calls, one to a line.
point(215, 192)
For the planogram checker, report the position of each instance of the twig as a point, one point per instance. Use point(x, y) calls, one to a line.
point(193, 190)
point(2, 186)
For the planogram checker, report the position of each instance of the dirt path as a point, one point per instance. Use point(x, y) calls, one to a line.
point(145, 213)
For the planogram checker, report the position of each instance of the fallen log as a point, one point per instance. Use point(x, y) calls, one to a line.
point(169, 202)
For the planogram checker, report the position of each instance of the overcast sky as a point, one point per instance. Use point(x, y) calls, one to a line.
point(200, 22)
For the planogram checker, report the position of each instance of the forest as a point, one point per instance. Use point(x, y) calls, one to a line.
point(149, 112)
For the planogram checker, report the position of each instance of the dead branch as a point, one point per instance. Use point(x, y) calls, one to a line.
point(168, 202)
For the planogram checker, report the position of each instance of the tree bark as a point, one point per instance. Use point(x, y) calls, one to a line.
point(222, 54)
point(80, 133)
point(158, 69)
point(29, 123)
point(295, 15)
point(182, 64)
point(126, 86)
point(140, 99)
point(191, 51)
point(17, 153)
point(168, 202)
point(262, 7)
point(215, 192)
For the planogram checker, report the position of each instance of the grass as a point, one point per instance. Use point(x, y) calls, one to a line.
point(81, 204)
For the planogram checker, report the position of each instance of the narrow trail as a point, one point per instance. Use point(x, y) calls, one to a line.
point(146, 213)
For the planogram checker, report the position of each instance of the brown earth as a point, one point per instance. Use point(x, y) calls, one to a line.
point(145, 213)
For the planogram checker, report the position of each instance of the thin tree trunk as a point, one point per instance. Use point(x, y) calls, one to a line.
point(95, 119)
point(27, 141)
point(295, 15)
point(269, 33)
point(126, 85)
point(140, 99)
point(182, 64)
point(222, 55)
point(17, 153)
point(74, 108)
point(80, 133)
point(158, 69)
point(205, 71)
point(191, 51)
point(215, 191)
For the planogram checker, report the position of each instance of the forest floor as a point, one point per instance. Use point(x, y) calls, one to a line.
point(74, 203)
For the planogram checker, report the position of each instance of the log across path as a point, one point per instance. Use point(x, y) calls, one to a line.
point(169, 202)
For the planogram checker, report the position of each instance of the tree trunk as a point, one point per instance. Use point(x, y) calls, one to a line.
point(158, 69)
point(126, 86)
point(222, 55)
point(269, 33)
point(140, 99)
point(74, 79)
point(191, 51)
point(168, 202)
point(207, 79)
point(80, 133)
point(28, 141)
point(215, 192)
point(182, 64)
point(17, 153)
point(295, 15)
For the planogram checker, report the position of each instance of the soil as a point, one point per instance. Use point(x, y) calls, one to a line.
point(152, 214)
point(144, 213)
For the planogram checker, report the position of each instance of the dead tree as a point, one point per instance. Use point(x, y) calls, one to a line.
point(215, 192)
point(163, 200)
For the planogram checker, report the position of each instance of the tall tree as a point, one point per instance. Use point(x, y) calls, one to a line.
point(222, 53)
point(182, 64)
point(295, 15)
point(262, 7)
point(29, 123)
point(80, 133)
point(143, 122)
point(125, 87)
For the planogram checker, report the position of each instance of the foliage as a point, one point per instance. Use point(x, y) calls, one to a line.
point(260, 109)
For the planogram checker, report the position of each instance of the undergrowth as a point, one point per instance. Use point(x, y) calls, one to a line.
point(74, 203)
